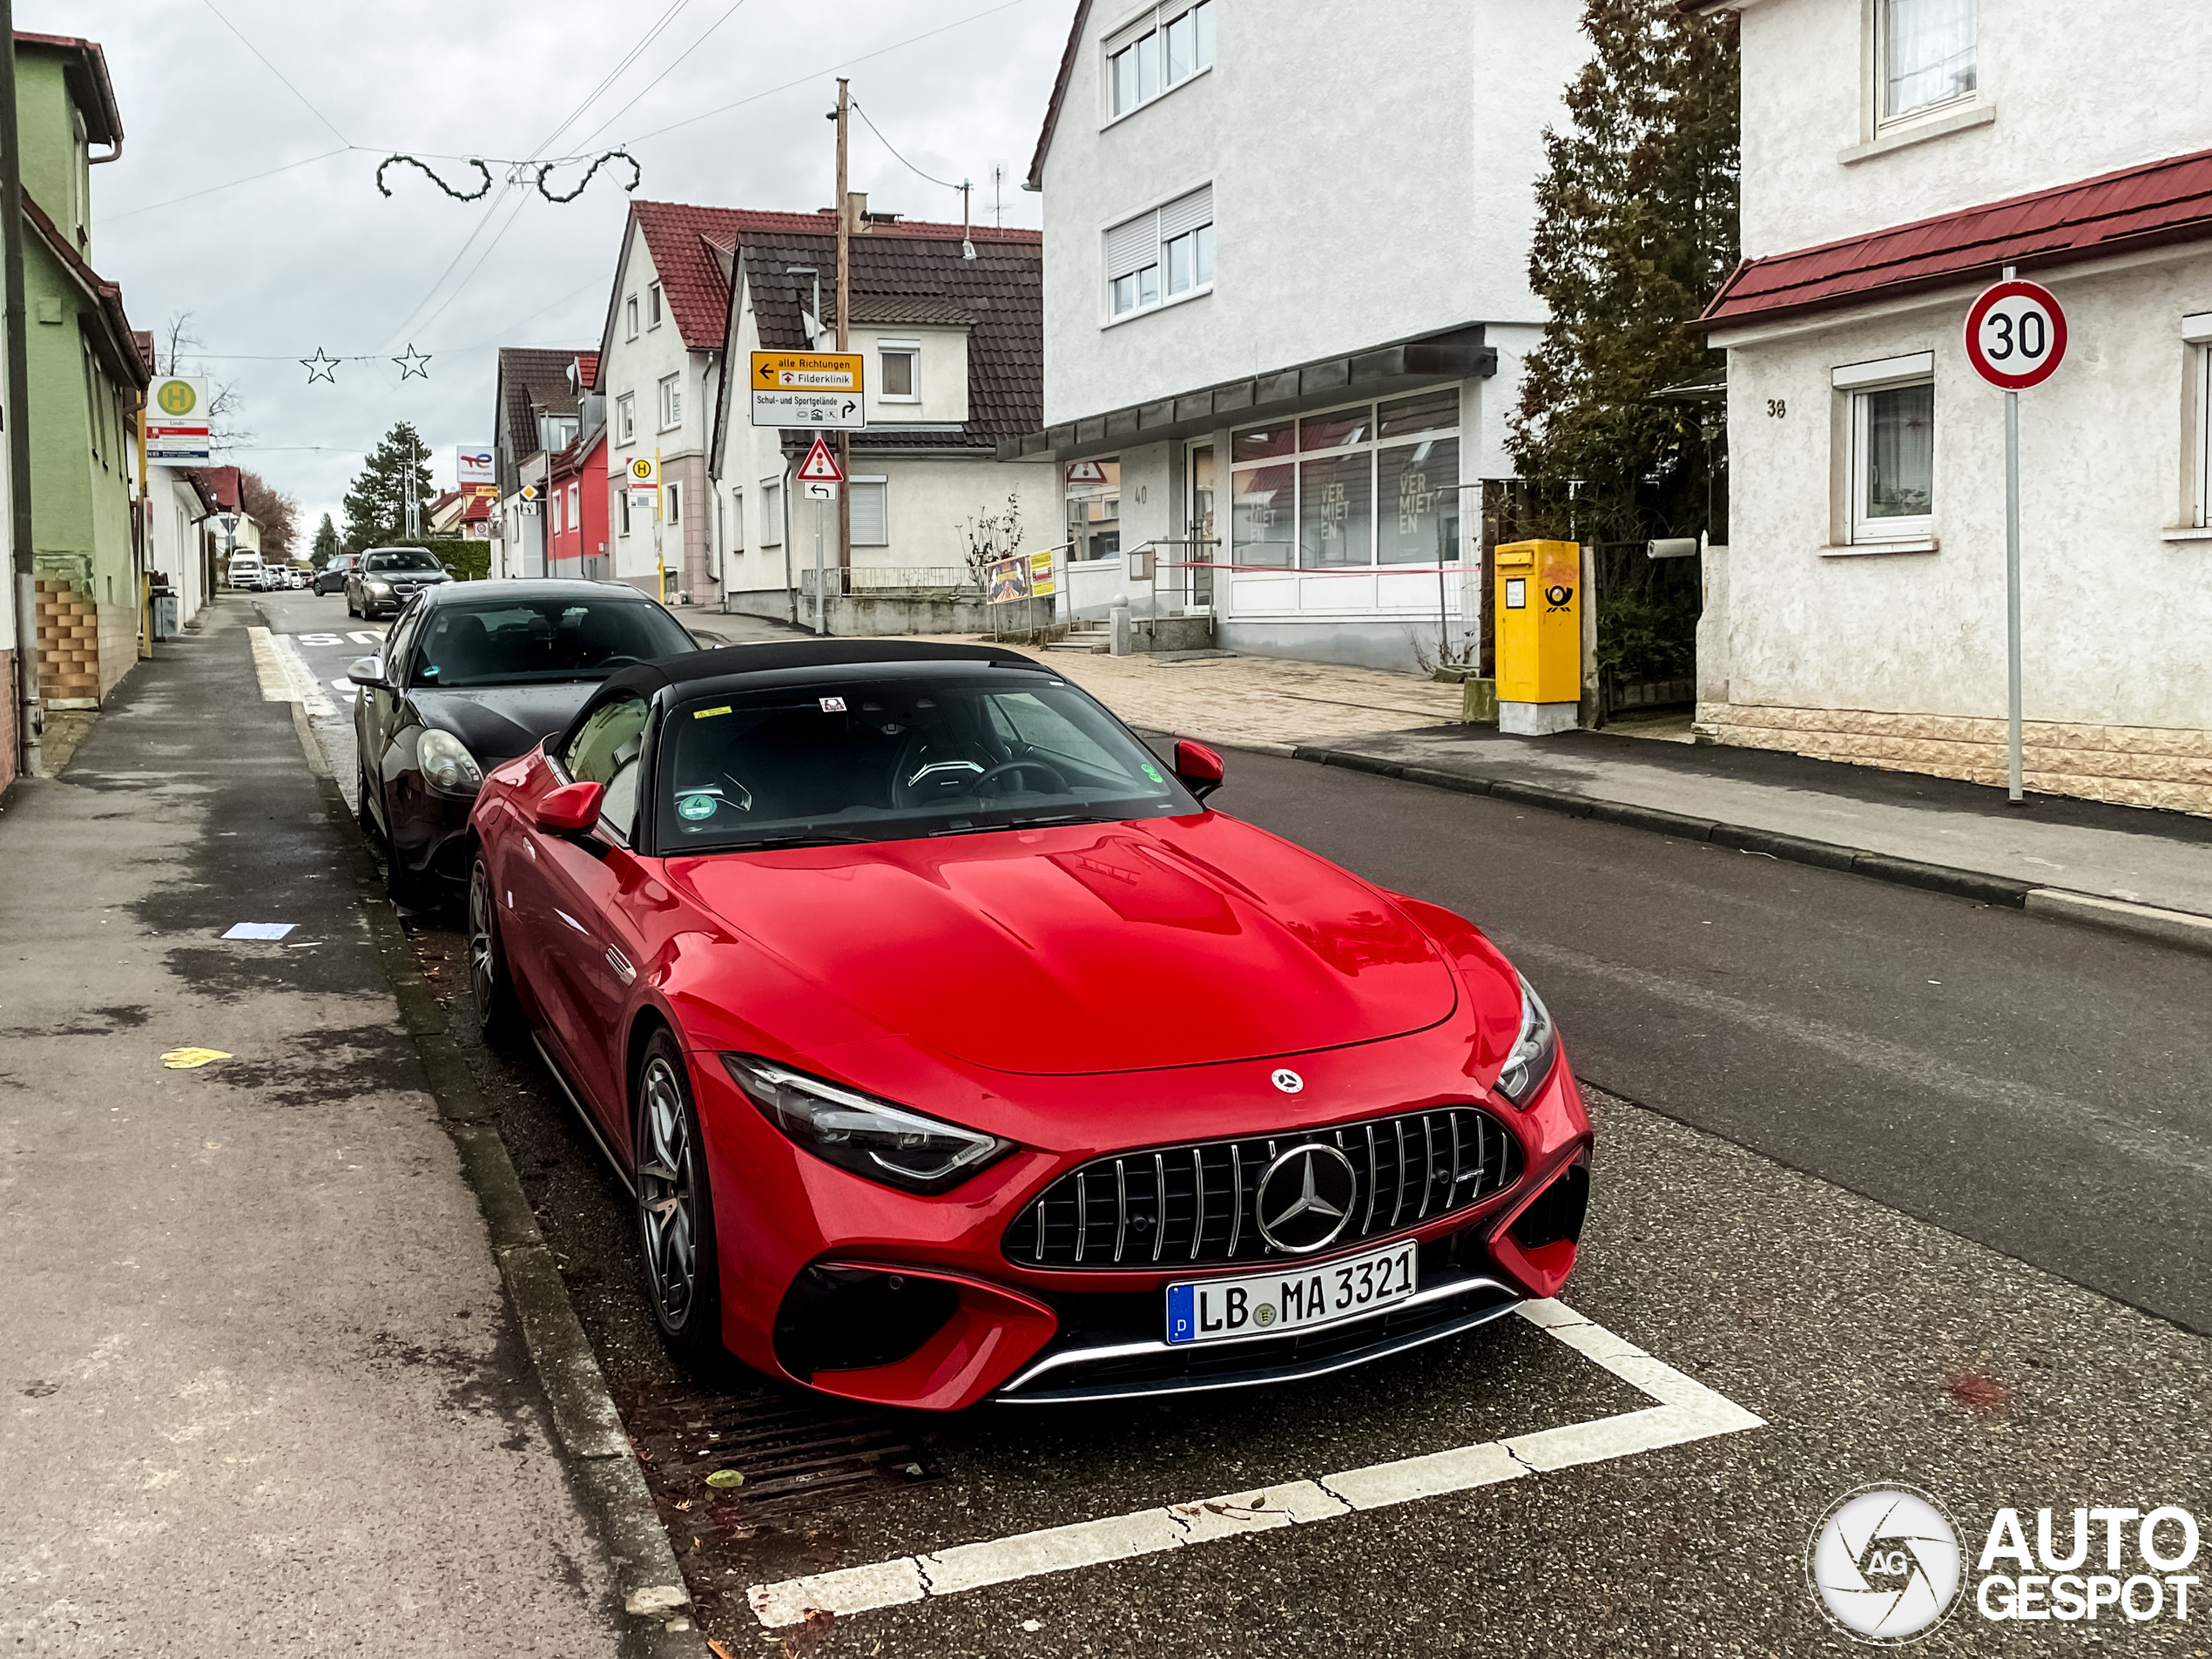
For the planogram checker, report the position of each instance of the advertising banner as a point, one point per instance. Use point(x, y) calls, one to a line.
point(472, 464)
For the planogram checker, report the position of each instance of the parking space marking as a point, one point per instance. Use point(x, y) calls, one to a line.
point(284, 673)
point(1687, 1410)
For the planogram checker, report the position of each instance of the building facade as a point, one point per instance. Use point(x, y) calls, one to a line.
point(575, 501)
point(535, 415)
point(951, 348)
point(1897, 158)
point(1280, 351)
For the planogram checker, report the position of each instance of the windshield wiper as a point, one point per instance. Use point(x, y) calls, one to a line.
point(810, 837)
point(1044, 821)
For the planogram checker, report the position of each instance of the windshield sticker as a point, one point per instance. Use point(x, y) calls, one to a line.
point(708, 714)
point(697, 807)
point(1153, 773)
point(833, 705)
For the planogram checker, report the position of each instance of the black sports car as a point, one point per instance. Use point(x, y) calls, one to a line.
point(473, 674)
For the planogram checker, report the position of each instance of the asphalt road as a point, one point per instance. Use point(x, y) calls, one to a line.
point(1782, 1008)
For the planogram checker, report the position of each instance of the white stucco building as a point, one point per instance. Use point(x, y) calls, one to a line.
point(1286, 301)
point(951, 348)
point(1898, 155)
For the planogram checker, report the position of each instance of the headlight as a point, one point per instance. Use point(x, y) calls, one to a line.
point(446, 761)
point(1533, 1050)
point(374, 586)
point(868, 1136)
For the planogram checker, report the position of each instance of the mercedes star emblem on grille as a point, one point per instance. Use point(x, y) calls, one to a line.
point(1288, 1081)
point(1304, 1199)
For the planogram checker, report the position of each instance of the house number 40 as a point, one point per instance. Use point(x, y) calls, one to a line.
point(1777, 408)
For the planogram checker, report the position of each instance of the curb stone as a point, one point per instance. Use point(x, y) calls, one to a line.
point(2178, 928)
point(593, 1448)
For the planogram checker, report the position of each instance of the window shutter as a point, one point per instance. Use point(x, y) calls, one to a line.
point(1187, 214)
point(870, 516)
point(1132, 247)
point(1129, 35)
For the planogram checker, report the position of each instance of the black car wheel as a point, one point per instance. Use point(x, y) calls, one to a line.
point(675, 1210)
point(350, 611)
point(499, 1015)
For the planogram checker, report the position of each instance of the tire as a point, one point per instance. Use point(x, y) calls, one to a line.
point(675, 1209)
point(491, 986)
point(349, 604)
point(366, 819)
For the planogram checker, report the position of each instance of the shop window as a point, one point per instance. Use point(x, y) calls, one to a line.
point(1924, 55)
point(1369, 485)
point(1159, 51)
point(871, 512)
point(1165, 254)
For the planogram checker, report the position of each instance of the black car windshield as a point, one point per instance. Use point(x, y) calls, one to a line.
point(511, 642)
point(841, 759)
point(401, 558)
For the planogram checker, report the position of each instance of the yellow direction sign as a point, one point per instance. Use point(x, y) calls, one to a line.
point(806, 371)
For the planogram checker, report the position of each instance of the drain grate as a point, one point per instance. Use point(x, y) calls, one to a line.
point(796, 1451)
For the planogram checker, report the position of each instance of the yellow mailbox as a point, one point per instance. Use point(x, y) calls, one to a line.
point(1540, 625)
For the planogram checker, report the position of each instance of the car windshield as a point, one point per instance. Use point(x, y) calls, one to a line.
point(515, 641)
point(401, 558)
point(840, 760)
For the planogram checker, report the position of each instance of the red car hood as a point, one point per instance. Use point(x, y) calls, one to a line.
point(1088, 949)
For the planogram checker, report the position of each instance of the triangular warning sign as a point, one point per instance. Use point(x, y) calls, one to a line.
point(820, 466)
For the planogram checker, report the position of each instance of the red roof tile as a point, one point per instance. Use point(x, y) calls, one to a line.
point(2160, 202)
point(684, 241)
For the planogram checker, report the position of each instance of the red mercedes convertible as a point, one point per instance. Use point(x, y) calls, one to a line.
point(956, 1051)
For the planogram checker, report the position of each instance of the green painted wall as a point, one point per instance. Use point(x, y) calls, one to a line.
point(55, 173)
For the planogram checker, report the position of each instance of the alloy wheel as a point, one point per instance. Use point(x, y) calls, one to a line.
point(666, 1199)
point(482, 967)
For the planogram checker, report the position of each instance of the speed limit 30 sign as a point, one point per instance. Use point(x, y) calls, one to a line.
point(2015, 334)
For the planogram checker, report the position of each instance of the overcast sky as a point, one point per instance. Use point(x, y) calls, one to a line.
point(313, 257)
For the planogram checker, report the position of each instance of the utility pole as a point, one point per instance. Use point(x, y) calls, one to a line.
point(28, 714)
point(413, 532)
point(844, 321)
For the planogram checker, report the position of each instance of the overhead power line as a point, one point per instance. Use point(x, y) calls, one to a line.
point(132, 212)
point(896, 156)
point(279, 74)
point(664, 73)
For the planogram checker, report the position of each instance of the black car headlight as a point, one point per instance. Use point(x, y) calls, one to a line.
point(868, 1136)
point(445, 760)
point(1534, 1050)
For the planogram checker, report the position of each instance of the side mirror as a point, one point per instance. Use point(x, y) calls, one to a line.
point(570, 810)
point(1197, 767)
point(368, 671)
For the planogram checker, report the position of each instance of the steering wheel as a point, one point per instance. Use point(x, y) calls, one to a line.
point(1060, 782)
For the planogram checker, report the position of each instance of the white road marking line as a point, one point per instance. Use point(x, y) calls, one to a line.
point(1687, 1410)
point(284, 673)
point(363, 636)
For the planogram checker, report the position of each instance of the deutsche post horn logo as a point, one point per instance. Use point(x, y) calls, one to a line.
point(1557, 595)
point(1885, 1565)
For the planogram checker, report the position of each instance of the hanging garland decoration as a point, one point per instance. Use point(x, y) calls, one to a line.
point(477, 195)
point(636, 176)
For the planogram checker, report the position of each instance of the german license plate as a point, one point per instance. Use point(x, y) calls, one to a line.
point(1296, 1298)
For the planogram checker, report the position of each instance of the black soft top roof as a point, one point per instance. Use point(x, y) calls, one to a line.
point(734, 661)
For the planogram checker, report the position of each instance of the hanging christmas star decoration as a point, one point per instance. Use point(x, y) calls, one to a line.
point(415, 362)
point(320, 367)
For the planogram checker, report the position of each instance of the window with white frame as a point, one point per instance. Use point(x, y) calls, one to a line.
point(772, 513)
point(1891, 422)
point(626, 418)
point(622, 505)
point(672, 502)
point(1163, 255)
point(871, 512)
point(737, 521)
point(629, 317)
point(1376, 484)
point(553, 513)
point(575, 504)
point(671, 401)
point(898, 371)
point(1924, 55)
point(1156, 52)
point(2196, 332)
point(652, 305)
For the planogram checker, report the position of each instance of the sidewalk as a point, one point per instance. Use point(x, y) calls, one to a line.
point(265, 1391)
point(2094, 862)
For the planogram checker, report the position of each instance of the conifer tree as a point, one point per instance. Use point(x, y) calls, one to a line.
point(1636, 228)
point(325, 547)
point(376, 505)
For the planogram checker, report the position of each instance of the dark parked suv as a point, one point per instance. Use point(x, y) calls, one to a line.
point(388, 577)
point(332, 577)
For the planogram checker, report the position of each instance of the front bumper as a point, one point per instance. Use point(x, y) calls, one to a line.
point(871, 1294)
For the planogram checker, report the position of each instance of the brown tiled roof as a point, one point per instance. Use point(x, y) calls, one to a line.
point(2161, 202)
point(916, 274)
point(690, 245)
point(531, 379)
point(218, 485)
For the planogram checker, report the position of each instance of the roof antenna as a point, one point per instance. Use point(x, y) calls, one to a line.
point(967, 248)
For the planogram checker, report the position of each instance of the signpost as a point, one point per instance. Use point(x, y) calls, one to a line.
point(2015, 340)
point(818, 473)
point(177, 428)
point(825, 389)
point(473, 465)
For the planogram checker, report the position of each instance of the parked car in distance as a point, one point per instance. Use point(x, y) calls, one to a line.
point(471, 675)
point(332, 577)
point(244, 571)
point(388, 577)
point(835, 943)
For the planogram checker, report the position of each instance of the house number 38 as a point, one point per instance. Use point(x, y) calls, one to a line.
point(1777, 408)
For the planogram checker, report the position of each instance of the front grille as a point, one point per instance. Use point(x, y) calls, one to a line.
point(1175, 1205)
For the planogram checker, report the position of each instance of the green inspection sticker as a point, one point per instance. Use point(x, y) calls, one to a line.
point(697, 807)
point(708, 714)
point(1153, 773)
